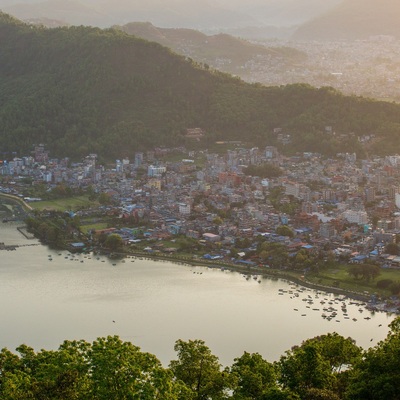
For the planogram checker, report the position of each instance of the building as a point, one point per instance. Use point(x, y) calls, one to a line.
point(194, 133)
point(327, 230)
point(184, 208)
point(292, 189)
point(271, 152)
point(138, 159)
point(40, 154)
point(211, 237)
point(369, 194)
point(397, 200)
point(155, 171)
point(356, 217)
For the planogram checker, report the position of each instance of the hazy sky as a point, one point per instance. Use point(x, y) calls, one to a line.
point(230, 12)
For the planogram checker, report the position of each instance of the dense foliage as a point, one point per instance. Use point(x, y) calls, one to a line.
point(328, 367)
point(56, 229)
point(83, 90)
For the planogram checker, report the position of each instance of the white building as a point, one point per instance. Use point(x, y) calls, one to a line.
point(292, 189)
point(356, 217)
point(184, 208)
point(265, 183)
point(397, 200)
point(153, 170)
point(47, 176)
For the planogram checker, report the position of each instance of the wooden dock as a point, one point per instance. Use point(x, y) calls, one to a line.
point(10, 247)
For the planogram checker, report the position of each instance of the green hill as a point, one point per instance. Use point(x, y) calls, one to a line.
point(83, 90)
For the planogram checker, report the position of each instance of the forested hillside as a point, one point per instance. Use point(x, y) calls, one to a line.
point(82, 90)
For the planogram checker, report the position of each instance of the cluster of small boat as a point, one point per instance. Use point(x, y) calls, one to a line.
point(73, 257)
point(331, 308)
point(255, 277)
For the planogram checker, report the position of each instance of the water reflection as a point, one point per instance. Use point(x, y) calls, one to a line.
point(48, 296)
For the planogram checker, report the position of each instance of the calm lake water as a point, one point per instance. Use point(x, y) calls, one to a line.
point(47, 296)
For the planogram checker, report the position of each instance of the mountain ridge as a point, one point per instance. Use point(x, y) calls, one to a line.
point(270, 18)
point(221, 51)
point(86, 90)
point(179, 13)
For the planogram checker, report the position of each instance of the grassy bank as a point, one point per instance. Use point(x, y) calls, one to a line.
point(352, 291)
point(339, 277)
point(334, 280)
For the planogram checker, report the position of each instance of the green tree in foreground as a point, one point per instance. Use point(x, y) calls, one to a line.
point(327, 367)
point(304, 368)
point(108, 369)
point(255, 377)
point(199, 370)
point(315, 369)
point(119, 371)
point(376, 376)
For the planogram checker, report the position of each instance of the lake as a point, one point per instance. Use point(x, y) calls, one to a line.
point(47, 296)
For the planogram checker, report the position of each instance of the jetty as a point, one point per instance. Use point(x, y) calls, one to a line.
point(10, 247)
point(24, 231)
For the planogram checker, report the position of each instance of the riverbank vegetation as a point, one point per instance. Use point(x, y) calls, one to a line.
point(56, 229)
point(328, 367)
point(66, 217)
point(321, 269)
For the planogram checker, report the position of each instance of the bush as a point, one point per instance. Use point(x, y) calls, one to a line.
point(384, 283)
point(395, 288)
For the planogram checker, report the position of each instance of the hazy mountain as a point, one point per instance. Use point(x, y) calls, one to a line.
point(171, 13)
point(354, 19)
point(281, 12)
point(217, 15)
point(222, 51)
point(176, 13)
point(68, 11)
point(5, 3)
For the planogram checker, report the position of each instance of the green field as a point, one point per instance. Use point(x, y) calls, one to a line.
point(339, 277)
point(65, 204)
point(96, 226)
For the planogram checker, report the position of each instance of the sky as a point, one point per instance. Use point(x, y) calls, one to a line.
point(228, 12)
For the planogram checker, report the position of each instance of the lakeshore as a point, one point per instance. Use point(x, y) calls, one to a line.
point(154, 302)
point(290, 276)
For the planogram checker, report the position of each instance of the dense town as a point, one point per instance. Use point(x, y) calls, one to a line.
point(314, 207)
point(365, 67)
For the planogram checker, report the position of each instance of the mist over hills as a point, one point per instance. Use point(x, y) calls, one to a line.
point(221, 51)
point(82, 90)
point(172, 13)
point(265, 18)
point(352, 20)
point(65, 11)
point(176, 13)
point(281, 13)
point(316, 19)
